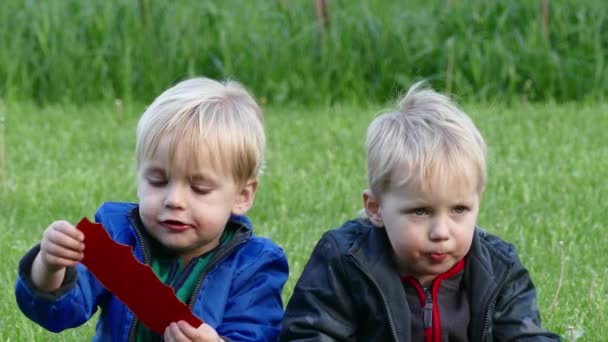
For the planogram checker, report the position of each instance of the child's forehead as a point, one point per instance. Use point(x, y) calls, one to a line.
point(175, 155)
point(435, 192)
point(428, 180)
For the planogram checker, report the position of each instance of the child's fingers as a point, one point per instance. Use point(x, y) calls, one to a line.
point(53, 253)
point(62, 245)
point(67, 229)
point(203, 333)
point(190, 332)
point(182, 331)
point(64, 235)
point(173, 333)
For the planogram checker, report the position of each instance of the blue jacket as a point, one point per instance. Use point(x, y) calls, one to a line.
point(240, 295)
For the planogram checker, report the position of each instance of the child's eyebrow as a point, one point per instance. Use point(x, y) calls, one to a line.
point(203, 178)
point(150, 169)
point(415, 205)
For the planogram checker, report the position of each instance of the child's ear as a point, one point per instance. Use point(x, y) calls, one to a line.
point(372, 208)
point(245, 198)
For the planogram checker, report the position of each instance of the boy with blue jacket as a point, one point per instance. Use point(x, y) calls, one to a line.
point(417, 268)
point(200, 149)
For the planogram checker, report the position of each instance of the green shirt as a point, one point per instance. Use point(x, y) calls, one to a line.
point(170, 271)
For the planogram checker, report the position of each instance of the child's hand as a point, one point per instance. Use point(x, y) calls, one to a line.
point(182, 331)
point(62, 246)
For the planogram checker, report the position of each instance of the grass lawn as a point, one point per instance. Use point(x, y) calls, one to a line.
point(546, 184)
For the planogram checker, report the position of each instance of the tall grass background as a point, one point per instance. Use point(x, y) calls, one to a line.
point(74, 76)
point(75, 51)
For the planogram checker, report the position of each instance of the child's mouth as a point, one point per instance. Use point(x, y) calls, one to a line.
point(175, 226)
point(438, 257)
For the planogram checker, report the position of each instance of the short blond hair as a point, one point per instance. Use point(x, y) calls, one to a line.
point(426, 138)
point(220, 120)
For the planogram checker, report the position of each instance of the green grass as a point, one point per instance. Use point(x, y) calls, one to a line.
point(54, 50)
point(547, 184)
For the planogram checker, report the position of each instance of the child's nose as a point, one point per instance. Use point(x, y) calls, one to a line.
point(174, 197)
point(440, 230)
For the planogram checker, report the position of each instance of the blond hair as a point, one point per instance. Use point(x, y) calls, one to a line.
point(220, 120)
point(427, 138)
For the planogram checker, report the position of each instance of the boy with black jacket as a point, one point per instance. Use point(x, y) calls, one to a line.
point(417, 268)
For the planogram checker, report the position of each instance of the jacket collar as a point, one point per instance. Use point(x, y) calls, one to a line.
point(371, 251)
point(485, 265)
point(485, 270)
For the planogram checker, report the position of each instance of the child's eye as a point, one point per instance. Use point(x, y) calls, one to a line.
point(200, 190)
point(420, 211)
point(157, 182)
point(460, 209)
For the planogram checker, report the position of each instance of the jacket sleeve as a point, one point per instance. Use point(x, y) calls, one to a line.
point(69, 306)
point(516, 315)
point(254, 309)
point(320, 308)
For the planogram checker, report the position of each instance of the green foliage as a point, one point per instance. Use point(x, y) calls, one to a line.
point(75, 51)
point(545, 186)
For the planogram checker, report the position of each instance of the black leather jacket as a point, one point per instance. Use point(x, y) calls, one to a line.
point(350, 291)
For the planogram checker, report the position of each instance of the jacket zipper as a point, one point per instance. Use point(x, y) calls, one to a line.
point(140, 243)
point(427, 308)
point(492, 302)
point(391, 323)
point(427, 314)
point(218, 257)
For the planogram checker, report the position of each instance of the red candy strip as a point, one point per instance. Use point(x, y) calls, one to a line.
point(134, 283)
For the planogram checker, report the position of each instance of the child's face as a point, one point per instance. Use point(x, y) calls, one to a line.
point(429, 229)
point(187, 209)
